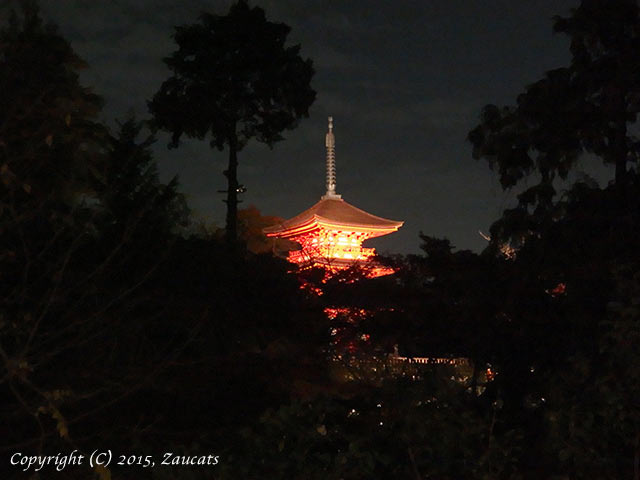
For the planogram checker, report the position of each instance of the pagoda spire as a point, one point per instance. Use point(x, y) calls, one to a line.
point(330, 143)
point(331, 232)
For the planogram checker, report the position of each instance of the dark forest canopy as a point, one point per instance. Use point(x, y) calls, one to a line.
point(124, 325)
point(589, 107)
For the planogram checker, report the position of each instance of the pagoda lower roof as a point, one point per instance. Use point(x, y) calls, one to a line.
point(333, 213)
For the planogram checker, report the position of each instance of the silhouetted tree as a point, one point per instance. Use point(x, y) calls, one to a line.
point(74, 252)
point(605, 44)
point(234, 79)
point(585, 108)
point(48, 136)
point(129, 188)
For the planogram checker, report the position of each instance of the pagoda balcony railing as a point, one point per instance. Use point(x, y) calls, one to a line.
point(328, 254)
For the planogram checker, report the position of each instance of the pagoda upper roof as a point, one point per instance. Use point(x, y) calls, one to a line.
point(333, 212)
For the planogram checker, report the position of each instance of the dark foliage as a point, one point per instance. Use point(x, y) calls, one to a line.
point(233, 79)
point(116, 326)
point(588, 107)
point(121, 329)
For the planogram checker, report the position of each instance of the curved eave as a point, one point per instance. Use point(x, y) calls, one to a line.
point(317, 222)
point(373, 230)
point(283, 231)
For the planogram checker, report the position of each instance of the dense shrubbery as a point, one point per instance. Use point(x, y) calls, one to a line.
point(121, 328)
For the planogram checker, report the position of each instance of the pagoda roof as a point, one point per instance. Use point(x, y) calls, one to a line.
point(333, 212)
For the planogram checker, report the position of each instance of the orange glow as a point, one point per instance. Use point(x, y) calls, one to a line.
point(334, 248)
point(558, 290)
point(505, 249)
point(350, 313)
point(331, 232)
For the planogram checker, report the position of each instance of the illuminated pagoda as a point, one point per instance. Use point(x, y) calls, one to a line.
point(331, 232)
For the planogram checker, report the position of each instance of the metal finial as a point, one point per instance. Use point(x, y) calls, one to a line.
point(330, 143)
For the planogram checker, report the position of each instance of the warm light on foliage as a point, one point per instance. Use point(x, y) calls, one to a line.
point(506, 249)
point(559, 289)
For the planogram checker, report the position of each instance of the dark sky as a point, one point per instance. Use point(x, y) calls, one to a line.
point(404, 81)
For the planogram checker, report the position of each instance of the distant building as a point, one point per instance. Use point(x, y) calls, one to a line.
point(331, 232)
point(330, 235)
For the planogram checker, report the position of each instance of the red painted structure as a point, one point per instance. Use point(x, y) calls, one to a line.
point(331, 232)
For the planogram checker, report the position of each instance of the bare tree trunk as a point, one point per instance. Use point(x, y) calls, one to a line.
point(232, 191)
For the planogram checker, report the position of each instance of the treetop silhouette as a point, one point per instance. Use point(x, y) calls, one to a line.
point(233, 79)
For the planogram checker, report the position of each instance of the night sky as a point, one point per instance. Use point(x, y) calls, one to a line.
point(404, 81)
